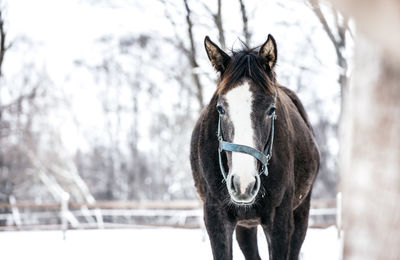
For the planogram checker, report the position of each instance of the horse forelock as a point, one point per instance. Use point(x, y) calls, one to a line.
point(246, 64)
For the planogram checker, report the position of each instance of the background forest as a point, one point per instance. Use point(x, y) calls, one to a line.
point(98, 98)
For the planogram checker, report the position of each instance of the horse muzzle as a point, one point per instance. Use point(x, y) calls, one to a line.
point(240, 193)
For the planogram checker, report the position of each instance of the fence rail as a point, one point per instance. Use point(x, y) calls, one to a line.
point(176, 204)
point(26, 215)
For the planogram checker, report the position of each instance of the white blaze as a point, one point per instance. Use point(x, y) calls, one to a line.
point(240, 101)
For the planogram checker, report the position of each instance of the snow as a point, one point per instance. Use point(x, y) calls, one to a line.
point(143, 243)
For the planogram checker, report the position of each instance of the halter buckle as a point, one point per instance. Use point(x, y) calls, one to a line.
point(264, 170)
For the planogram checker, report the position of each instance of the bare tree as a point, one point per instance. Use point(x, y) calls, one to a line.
point(2, 53)
point(4, 47)
point(190, 51)
point(192, 55)
point(217, 19)
point(2, 40)
point(337, 35)
point(218, 23)
point(3, 181)
point(246, 31)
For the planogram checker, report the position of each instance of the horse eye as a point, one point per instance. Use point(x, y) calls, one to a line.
point(271, 111)
point(220, 109)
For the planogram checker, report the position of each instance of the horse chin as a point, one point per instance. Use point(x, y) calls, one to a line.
point(243, 202)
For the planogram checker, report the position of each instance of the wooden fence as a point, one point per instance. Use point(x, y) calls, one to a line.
point(26, 215)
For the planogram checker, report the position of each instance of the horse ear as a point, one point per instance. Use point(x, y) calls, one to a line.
point(219, 59)
point(268, 51)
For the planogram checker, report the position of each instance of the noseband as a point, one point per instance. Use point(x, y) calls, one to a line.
point(262, 157)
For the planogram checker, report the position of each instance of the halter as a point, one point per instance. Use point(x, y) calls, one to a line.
point(263, 157)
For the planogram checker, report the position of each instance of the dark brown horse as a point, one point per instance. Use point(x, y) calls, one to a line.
point(254, 157)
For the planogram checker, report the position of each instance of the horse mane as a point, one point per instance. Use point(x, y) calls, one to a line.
point(246, 63)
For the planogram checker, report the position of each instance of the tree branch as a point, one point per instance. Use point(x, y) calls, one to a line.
point(315, 6)
point(17, 102)
point(218, 22)
point(192, 54)
point(217, 18)
point(246, 32)
point(180, 45)
point(339, 43)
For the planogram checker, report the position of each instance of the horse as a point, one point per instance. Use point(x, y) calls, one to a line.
point(253, 156)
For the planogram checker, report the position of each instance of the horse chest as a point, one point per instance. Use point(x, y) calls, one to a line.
point(249, 222)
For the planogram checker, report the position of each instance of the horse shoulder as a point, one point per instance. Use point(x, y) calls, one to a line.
point(306, 160)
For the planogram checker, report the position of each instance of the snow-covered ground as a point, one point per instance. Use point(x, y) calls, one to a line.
point(142, 243)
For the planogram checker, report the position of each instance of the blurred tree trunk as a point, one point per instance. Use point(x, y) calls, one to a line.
point(3, 181)
point(192, 55)
point(2, 41)
point(2, 53)
point(371, 140)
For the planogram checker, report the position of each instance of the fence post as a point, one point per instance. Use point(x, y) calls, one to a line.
point(15, 211)
point(64, 211)
point(339, 214)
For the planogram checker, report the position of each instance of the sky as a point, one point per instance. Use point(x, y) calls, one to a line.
point(62, 32)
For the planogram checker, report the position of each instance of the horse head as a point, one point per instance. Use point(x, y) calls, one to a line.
point(246, 106)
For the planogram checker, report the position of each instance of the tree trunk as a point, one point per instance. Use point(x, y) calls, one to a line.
point(371, 136)
point(246, 32)
point(192, 56)
point(371, 175)
point(2, 41)
point(337, 35)
point(218, 23)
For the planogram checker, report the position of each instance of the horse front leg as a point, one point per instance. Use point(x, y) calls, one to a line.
point(280, 231)
point(220, 231)
point(300, 216)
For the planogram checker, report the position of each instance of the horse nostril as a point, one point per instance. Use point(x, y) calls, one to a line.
point(235, 183)
point(256, 186)
point(251, 188)
point(232, 185)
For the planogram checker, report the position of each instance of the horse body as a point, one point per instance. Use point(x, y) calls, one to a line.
point(281, 205)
